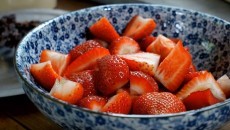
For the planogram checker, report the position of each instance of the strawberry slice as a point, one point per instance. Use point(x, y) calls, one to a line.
point(124, 45)
point(200, 83)
point(113, 74)
point(190, 75)
point(157, 103)
point(104, 30)
point(146, 41)
point(141, 83)
point(86, 78)
point(102, 43)
point(94, 103)
point(44, 74)
point(86, 61)
point(67, 90)
point(224, 82)
point(199, 99)
point(174, 67)
point(139, 27)
point(162, 46)
point(119, 103)
point(142, 61)
point(82, 48)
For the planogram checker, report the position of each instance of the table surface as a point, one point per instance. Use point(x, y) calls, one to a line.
point(18, 112)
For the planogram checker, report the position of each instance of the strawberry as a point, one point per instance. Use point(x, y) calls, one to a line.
point(104, 30)
point(102, 43)
point(224, 83)
point(113, 74)
point(44, 74)
point(157, 103)
point(141, 83)
point(190, 75)
point(200, 83)
point(94, 103)
point(86, 61)
point(86, 78)
point(67, 90)
point(174, 67)
point(162, 46)
point(124, 45)
point(142, 61)
point(139, 27)
point(199, 99)
point(119, 103)
point(146, 41)
point(82, 48)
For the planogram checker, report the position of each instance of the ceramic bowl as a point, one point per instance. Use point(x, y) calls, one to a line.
point(206, 36)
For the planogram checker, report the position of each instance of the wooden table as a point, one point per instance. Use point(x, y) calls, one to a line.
point(18, 112)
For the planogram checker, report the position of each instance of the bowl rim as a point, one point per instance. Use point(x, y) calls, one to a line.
point(65, 104)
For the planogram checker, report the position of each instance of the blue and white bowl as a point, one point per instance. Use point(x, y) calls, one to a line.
point(207, 37)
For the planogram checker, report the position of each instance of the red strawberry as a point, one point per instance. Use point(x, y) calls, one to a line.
point(124, 45)
point(104, 30)
point(82, 48)
point(199, 99)
point(224, 83)
point(157, 103)
point(44, 74)
point(162, 46)
point(119, 103)
point(67, 90)
point(145, 42)
point(86, 78)
point(200, 83)
point(141, 83)
point(174, 67)
point(190, 75)
point(113, 74)
point(102, 43)
point(58, 60)
point(94, 103)
point(142, 61)
point(139, 27)
point(86, 61)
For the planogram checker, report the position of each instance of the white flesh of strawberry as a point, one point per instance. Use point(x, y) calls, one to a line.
point(128, 48)
point(224, 82)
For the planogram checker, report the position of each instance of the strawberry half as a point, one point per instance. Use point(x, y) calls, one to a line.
point(174, 67)
point(224, 83)
point(44, 74)
point(119, 103)
point(124, 45)
point(146, 41)
point(82, 48)
point(142, 61)
point(200, 83)
point(86, 61)
point(139, 27)
point(67, 90)
point(190, 75)
point(94, 103)
point(104, 30)
point(141, 83)
point(157, 103)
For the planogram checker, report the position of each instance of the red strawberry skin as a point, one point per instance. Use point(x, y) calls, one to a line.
point(113, 74)
point(157, 103)
point(94, 103)
point(145, 42)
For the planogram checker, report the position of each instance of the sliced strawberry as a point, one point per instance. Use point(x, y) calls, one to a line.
point(113, 74)
point(162, 46)
point(86, 78)
point(199, 99)
point(86, 61)
point(224, 82)
point(139, 27)
point(157, 103)
point(102, 43)
point(142, 61)
point(190, 75)
point(104, 30)
point(94, 103)
point(200, 83)
point(82, 48)
point(124, 45)
point(141, 83)
point(146, 41)
point(44, 74)
point(119, 103)
point(67, 90)
point(174, 67)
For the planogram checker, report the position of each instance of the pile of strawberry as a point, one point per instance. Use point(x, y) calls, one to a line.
point(131, 73)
